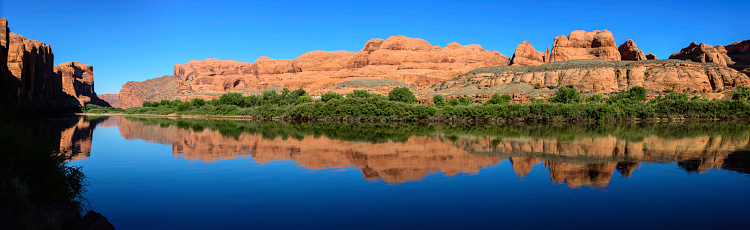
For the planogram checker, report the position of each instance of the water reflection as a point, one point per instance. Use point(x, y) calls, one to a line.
point(575, 155)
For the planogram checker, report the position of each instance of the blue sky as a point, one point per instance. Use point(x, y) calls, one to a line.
point(138, 40)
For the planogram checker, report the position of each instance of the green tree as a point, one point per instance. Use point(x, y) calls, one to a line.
point(465, 101)
point(438, 100)
point(358, 94)
point(198, 102)
point(453, 101)
point(566, 95)
point(232, 99)
point(304, 99)
point(328, 96)
point(164, 103)
point(499, 100)
point(402, 94)
point(596, 98)
point(742, 93)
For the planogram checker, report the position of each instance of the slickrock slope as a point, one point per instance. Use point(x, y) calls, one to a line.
point(409, 60)
point(31, 82)
point(630, 52)
point(703, 53)
point(133, 93)
point(112, 99)
point(526, 55)
point(606, 76)
point(580, 44)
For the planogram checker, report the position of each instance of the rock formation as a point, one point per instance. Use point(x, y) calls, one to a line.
point(580, 44)
point(31, 82)
point(703, 53)
point(606, 77)
point(630, 52)
point(410, 60)
point(134, 93)
point(78, 82)
point(651, 57)
point(739, 52)
point(526, 55)
point(112, 99)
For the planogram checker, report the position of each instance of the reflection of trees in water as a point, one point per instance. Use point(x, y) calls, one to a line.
point(575, 154)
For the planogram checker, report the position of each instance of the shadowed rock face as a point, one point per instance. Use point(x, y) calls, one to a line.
point(579, 162)
point(410, 60)
point(580, 44)
point(630, 52)
point(703, 53)
point(739, 52)
point(31, 82)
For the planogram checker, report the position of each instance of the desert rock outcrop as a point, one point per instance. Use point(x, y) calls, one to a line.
point(651, 57)
point(607, 76)
point(703, 53)
point(580, 44)
point(31, 82)
point(409, 60)
point(630, 52)
point(526, 55)
point(739, 52)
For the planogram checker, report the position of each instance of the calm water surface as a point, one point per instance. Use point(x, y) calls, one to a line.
point(209, 174)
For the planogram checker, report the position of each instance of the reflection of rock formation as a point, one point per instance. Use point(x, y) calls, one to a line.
point(75, 141)
point(578, 162)
point(391, 161)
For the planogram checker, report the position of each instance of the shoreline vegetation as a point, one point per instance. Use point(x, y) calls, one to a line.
point(567, 105)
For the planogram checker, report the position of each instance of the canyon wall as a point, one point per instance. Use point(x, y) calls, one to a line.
point(31, 82)
point(412, 61)
point(591, 62)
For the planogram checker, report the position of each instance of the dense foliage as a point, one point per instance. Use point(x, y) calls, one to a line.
point(566, 105)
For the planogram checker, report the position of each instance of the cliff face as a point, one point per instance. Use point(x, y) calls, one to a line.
point(30, 81)
point(412, 61)
point(608, 77)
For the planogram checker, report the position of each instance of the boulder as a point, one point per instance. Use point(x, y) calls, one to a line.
point(702, 53)
point(526, 55)
point(651, 57)
point(630, 52)
point(580, 44)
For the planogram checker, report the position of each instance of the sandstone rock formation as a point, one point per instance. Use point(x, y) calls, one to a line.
point(651, 57)
point(526, 55)
point(606, 77)
point(78, 82)
point(630, 52)
point(410, 60)
point(703, 53)
point(580, 44)
point(134, 93)
point(112, 99)
point(739, 52)
point(31, 82)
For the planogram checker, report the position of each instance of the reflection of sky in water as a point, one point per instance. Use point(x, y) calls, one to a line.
point(140, 184)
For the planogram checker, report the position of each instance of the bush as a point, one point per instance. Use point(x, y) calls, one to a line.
point(328, 96)
point(232, 99)
point(453, 102)
point(402, 94)
point(198, 102)
point(596, 98)
point(499, 100)
point(566, 95)
point(438, 100)
point(304, 99)
point(358, 94)
point(465, 100)
point(742, 93)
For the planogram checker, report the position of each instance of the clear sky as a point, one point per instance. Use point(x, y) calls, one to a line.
point(137, 40)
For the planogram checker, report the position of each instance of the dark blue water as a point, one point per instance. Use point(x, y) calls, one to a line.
point(167, 175)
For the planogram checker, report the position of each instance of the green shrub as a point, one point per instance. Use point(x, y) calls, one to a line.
point(358, 94)
point(566, 95)
point(328, 96)
point(198, 102)
point(499, 100)
point(453, 102)
point(402, 94)
point(304, 99)
point(438, 100)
